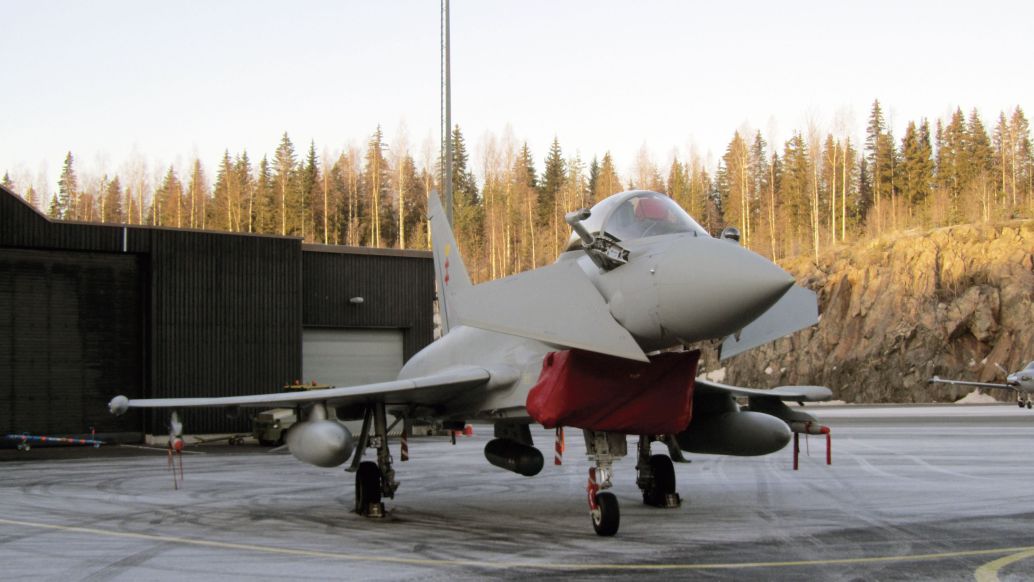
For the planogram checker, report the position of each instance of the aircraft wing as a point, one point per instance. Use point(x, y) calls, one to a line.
point(425, 389)
point(556, 304)
point(791, 393)
point(796, 310)
point(939, 380)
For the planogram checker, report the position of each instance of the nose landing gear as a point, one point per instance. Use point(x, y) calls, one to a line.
point(603, 448)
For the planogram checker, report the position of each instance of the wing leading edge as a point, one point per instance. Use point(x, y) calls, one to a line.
point(425, 389)
point(790, 393)
point(939, 380)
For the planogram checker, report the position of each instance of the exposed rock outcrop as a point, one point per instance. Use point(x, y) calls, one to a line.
point(952, 302)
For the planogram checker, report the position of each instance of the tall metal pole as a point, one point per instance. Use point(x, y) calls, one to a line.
point(446, 114)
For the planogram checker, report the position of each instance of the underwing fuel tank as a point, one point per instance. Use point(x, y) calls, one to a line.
point(739, 433)
point(324, 443)
point(513, 456)
point(691, 288)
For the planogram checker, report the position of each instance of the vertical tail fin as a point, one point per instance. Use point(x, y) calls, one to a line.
point(450, 272)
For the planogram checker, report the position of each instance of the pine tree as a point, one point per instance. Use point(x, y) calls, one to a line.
point(285, 184)
point(950, 160)
point(608, 183)
point(917, 164)
point(197, 197)
point(222, 204)
point(735, 186)
point(795, 189)
point(244, 206)
point(7, 182)
point(32, 197)
point(678, 183)
point(312, 201)
point(68, 191)
point(553, 176)
point(880, 156)
point(464, 187)
point(468, 211)
point(375, 189)
point(524, 193)
point(593, 182)
point(1022, 161)
point(267, 202)
point(411, 203)
point(113, 202)
point(167, 206)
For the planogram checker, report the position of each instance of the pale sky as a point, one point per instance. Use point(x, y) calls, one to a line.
point(166, 81)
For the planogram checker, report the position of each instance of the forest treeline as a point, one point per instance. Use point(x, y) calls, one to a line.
point(811, 192)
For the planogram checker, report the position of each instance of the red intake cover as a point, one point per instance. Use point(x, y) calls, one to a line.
point(604, 393)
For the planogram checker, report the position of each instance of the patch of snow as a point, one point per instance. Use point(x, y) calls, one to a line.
point(983, 362)
point(768, 370)
point(976, 397)
point(828, 403)
point(716, 376)
point(972, 363)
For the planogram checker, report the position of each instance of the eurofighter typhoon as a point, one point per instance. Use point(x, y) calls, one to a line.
point(595, 341)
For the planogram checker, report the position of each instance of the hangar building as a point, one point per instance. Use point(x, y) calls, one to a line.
point(88, 311)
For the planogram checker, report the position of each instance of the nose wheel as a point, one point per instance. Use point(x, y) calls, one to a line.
point(606, 517)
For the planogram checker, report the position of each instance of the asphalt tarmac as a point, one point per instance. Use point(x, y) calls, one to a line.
point(914, 493)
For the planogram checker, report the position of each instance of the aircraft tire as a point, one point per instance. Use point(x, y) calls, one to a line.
point(367, 486)
point(1028, 404)
point(1020, 404)
point(663, 480)
point(606, 521)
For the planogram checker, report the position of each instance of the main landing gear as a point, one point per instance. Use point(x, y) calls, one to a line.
point(1020, 402)
point(656, 476)
point(373, 480)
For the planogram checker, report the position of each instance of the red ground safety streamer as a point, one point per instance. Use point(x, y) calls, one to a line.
point(558, 457)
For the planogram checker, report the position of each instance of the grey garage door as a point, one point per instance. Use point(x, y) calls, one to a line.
point(344, 357)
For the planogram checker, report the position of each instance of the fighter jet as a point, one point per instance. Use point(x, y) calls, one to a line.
point(595, 341)
point(1022, 382)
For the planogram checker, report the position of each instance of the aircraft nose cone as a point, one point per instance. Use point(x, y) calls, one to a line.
point(711, 288)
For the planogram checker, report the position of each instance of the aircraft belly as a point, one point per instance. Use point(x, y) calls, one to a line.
point(521, 358)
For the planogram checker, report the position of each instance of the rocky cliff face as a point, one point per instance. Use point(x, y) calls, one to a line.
point(894, 312)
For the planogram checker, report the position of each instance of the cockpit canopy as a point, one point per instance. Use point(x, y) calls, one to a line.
point(637, 214)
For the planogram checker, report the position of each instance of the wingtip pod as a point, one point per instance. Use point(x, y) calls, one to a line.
point(118, 405)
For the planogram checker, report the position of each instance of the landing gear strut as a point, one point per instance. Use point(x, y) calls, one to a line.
point(373, 480)
point(603, 448)
point(656, 478)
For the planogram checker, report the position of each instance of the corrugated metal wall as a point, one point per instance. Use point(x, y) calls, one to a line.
point(223, 314)
point(71, 335)
point(226, 318)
